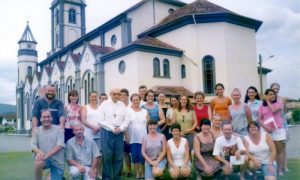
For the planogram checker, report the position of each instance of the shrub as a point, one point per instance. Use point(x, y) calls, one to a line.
point(296, 115)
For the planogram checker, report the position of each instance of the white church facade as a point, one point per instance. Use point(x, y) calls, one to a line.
point(157, 43)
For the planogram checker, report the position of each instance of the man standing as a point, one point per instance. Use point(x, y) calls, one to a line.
point(49, 102)
point(82, 155)
point(113, 124)
point(142, 92)
point(47, 144)
point(102, 98)
point(228, 150)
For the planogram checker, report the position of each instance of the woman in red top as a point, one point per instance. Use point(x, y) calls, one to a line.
point(202, 111)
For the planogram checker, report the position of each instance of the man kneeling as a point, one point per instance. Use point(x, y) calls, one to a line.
point(82, 155)
point(47, 143)
point(229, 149)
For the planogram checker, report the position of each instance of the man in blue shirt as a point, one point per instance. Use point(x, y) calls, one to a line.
point(49, 102)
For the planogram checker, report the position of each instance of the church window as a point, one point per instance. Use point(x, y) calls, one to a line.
point(122, 67)
point(183, 72)
point(29, 71)
point(72, 16)
point(88, 85)
point(170, 10)
point(156, 67)
point(166, 66)
point(208, 74)
point(113, 40)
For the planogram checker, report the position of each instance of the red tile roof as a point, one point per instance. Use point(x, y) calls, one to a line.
point(101, 49)
point(153, 42)
point(172, 90)
point(75, 58)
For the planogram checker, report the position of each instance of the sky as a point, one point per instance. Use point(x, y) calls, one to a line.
point(279, 35)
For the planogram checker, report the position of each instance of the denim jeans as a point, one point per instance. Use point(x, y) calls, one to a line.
point(112, 154)
point(55, 173)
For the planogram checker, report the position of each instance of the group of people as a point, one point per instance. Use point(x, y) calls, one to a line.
point(144, 131)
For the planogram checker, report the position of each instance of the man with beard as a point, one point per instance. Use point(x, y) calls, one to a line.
point(49, 102)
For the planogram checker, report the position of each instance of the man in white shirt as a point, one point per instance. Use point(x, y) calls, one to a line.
point(113, 124)
point(229, 150)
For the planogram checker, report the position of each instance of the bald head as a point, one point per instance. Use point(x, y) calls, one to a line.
point(115, 94)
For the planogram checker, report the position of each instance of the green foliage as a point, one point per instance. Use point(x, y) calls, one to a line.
point(296, 115)
point(7, 129)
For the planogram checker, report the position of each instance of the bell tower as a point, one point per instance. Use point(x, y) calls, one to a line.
point(67, 22)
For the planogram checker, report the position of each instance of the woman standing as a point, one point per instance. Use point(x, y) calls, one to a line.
point(240, 114)
point(136, 130)
point(73, 114)
point(162, 105)
point(202, 111)
point(270, 118)
point(276, 87)
point(204, 143)
point(155, 113)
point(178, 154)
point(186, 117)
point(220, 104)
point(90, 119)
point(261, 151)
point(253, 101)
point(154, 151)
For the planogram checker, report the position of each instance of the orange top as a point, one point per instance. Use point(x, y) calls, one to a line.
point(220, 106)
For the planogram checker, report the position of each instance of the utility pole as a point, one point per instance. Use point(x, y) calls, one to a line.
point(260, 74)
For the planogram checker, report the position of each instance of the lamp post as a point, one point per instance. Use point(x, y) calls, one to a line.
point(260, 71)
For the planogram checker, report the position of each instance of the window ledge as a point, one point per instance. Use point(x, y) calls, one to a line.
point(162, 77)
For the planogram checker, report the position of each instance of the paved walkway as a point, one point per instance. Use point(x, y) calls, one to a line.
point(9, 143)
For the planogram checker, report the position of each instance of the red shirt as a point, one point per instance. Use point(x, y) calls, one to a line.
point(201, 113)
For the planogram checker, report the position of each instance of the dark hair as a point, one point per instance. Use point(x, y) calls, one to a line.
point(175, 126)
point(142, 87)
point(199, 93)
point(72, 93)
point(219, 84)
point(205, 122)
point(275, 84)
point(133, 95)
point(189, 107)
point(256, 96)
point(226, 123)
point(149, 91)
point(103, 94)
point(173, 96)
point(267, 92)
point(253, 123)
point(151, 121)
point(125, 91)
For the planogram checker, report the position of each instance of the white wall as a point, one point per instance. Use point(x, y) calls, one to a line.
point(143, 19)
point(233, 47)
point(115, 31)
point(71, 31)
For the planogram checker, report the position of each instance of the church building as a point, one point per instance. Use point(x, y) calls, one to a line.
point(164, 44)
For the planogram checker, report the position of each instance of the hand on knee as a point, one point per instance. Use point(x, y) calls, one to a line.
point(174, 174)
point(185, 172)
point(157, 172)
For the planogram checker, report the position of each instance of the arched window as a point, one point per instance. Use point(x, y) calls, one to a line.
point(208, 65)
point(156, 67)
point(166, 66)
point(183, 71)
point(85, 92)
point(29, 71)
point(88, 85)
point(92, 84)
point(72, 16)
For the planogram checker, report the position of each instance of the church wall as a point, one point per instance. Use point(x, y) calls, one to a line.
point(96, 41)
point(117, 32)
point(55, 74)
point(241, 61)
point(143, 22)
point(44, 79)
point(129, 79)
point(78, 50)
point(145, 70)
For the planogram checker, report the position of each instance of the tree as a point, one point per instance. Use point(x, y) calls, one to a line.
point(296, 115)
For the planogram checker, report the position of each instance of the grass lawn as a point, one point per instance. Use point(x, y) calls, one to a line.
point(19, 165)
